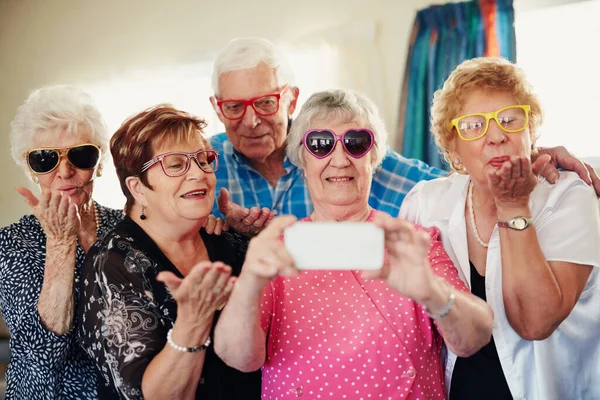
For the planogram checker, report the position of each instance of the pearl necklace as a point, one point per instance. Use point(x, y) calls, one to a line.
point(97, 219)
point(472, 216)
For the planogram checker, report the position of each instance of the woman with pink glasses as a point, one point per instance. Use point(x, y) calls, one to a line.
point(345, 334)
point(153, 286)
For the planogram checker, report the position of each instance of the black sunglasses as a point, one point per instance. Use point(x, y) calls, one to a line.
point(45, 160)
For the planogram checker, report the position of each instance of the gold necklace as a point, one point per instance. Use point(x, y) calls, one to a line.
point(472, 216)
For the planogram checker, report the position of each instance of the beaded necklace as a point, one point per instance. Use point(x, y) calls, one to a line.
point(472, 216)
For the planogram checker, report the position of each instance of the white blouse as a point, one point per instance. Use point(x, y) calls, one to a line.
point(566, 218)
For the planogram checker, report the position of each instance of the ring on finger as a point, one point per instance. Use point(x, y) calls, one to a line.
point(217, 289)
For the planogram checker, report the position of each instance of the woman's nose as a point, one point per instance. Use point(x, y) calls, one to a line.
point(195, 172)
point(339, 158)
point(65, 169)
point(495, 134)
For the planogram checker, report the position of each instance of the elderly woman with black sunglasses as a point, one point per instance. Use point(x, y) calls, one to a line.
point(530, 248)
point(154, 285)
point(343, 334)
point(59, 138)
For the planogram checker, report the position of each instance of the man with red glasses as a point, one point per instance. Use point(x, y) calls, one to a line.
point(254, 97)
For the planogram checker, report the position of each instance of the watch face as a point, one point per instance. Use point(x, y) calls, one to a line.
point(520, 223)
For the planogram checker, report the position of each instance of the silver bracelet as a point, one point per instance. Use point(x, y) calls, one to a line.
point(186, 349)
point(446, 308)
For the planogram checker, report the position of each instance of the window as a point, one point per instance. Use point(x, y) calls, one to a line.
point(555, 47)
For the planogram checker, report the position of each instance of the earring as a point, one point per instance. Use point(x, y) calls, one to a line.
point(142, 215)
point(457, 161)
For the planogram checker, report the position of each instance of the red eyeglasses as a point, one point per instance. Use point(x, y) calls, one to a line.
point(263, 105)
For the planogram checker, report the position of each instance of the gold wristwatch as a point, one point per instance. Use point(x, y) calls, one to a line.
point(517, 223)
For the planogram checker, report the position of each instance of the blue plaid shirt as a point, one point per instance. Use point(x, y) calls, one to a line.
point(394, 178)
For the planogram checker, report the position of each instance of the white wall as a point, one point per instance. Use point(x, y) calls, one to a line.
point(568, 103)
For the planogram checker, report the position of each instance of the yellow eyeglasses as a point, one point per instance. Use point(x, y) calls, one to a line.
point(510, 119)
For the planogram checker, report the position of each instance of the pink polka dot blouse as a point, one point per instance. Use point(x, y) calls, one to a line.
point(335, 335)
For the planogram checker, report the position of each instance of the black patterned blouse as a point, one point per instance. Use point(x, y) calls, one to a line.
point(127, 313)
point(43, 365)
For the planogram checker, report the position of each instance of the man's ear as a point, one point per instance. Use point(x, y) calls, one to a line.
point(136, 188)
point(296, 92)
point(213, 101)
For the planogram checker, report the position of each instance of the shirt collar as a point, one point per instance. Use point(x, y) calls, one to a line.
point(242, 161)
point(452, 205)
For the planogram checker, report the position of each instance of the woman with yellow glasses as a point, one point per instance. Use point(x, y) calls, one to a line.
point(529, 248)
point(511, 119)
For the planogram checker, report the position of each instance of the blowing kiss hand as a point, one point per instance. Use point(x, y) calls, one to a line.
point(58, 215)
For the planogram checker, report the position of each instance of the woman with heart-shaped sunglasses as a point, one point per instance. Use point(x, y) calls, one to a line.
point(348, 334)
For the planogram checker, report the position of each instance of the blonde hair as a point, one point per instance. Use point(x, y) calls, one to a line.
point(492, 74)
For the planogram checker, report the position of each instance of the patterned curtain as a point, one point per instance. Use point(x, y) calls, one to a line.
point(442, 37)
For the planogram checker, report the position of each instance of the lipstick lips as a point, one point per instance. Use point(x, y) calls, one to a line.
point(497, 162)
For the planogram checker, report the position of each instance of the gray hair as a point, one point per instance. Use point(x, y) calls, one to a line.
point(339, 107)
point(53, 109)
point(247, 53)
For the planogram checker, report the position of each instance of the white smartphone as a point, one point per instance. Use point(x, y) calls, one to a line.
point(335, 245)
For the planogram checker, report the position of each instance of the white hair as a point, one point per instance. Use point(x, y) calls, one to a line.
point(50, 111)
point(337, 106)
point(247, 53)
